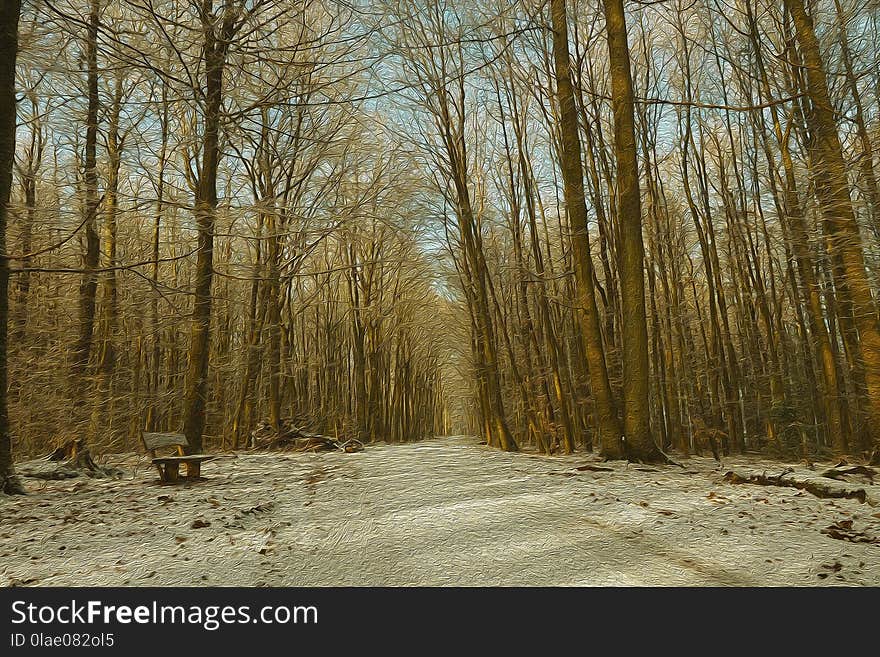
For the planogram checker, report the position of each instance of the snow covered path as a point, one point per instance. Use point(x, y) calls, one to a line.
point(440, 512)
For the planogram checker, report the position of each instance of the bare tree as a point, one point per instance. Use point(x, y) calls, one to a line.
point(9, 15)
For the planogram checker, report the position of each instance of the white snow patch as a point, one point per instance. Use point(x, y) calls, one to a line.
point(442, 512)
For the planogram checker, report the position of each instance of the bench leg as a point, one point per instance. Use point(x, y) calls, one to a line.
point(172, 472)
point(193, 470)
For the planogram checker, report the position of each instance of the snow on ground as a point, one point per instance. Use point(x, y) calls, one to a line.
point(440, 512)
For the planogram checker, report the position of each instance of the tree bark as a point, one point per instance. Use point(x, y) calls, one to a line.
point(9, 12)
point(196, 387)
point(631, 250)
point(89, 284)
point(832, 192)
point(607, 421)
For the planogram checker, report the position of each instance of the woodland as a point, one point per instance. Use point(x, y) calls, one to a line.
point(641, 229)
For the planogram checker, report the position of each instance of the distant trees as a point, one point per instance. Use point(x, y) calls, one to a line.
point(243, 205)
point(430, 39)
point(556, 225)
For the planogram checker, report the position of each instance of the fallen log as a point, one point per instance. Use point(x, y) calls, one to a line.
point(816, 484)
point(841, 471)
point(593, 468)
point(314, 443)
point(67, 461)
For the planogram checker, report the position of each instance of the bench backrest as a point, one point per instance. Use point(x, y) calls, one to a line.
point(154, 441)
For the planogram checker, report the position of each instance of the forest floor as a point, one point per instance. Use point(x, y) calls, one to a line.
point(438, 512)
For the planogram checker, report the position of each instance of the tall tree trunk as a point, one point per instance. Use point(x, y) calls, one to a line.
point(156, 362)
point(832, 191)
point(870, 190)
point(358, 340)
point(196, 386)
point(273, 320)
point(9, 12)
point(607, 421)
point(102, 397)
point(796, 225)
point(110, 309)
point(29, 189)
point(89, 284)
point(631, 250)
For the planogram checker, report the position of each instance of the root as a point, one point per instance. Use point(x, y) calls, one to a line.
point(10, 484)
point(67, 461)
point(669, 460)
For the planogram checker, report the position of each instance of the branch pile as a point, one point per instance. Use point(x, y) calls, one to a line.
point(291, 437)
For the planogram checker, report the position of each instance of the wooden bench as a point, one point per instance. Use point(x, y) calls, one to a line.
point(169, 466)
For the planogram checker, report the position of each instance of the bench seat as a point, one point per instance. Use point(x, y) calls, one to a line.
point(183, 459)
point(169, 466)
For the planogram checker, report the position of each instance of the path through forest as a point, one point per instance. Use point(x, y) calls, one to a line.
point(440, 512)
